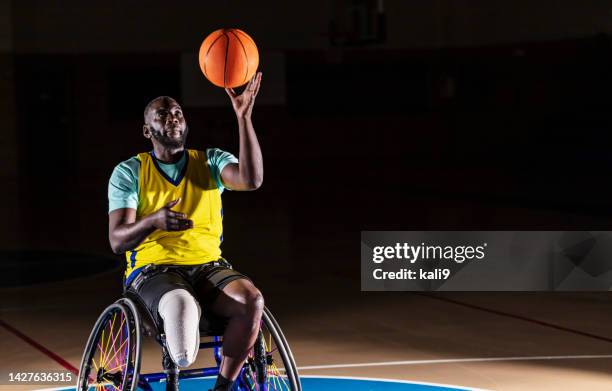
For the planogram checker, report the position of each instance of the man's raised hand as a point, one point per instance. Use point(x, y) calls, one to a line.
point(243, 103)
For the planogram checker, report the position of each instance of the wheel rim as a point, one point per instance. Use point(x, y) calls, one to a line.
point(279, 374)
point(108, 363)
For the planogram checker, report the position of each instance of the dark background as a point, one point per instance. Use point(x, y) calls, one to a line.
point(394, 115)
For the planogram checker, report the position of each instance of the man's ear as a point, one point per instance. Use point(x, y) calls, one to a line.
point(146, 131)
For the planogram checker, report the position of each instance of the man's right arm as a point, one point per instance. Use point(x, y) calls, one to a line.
point(125, 233)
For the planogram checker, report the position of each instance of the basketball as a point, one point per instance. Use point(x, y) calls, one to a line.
point(228, 58)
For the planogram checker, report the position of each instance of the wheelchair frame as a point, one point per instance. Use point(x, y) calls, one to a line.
point(149, 327)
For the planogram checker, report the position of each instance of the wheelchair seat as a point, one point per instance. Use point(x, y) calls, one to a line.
point(152, 326)
point(148, 323)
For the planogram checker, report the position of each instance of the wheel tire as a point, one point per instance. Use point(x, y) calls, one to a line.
point(251, 376)
point(125, 309)
point(271, 318)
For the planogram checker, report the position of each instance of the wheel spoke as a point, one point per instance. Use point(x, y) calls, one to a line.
point(110, 334)
point(277, 374)
point(124, 341)
point(108, 360)
point(114, 368)
point(101, 347)
point(119, 334)
point(126, 355)
point(275, 378)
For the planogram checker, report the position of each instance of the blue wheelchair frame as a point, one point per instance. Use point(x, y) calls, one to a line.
point(215, 344)
point(144, 380)
point(259, 372)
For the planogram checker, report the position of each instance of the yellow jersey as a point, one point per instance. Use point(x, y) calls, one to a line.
point(200, 202)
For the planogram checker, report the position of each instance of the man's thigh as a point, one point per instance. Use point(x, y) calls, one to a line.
point(235, 298)
point(210, 288)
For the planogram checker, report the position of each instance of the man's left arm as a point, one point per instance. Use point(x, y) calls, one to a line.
point(247, 174)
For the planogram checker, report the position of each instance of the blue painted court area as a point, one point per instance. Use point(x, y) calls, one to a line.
point(356, 384)
point(328, 384)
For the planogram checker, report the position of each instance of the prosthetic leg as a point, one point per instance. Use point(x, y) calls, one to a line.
point(181, 315)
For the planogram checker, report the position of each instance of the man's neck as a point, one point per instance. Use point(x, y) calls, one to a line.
point(168, 155)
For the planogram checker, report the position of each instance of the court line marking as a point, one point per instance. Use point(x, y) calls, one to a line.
point(40, 307)
point(40, 348)
point(519, 317)
point(386, 380)
point(455, 360)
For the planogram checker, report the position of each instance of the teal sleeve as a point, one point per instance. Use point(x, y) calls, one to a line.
point(123, 185)
point(217, 160)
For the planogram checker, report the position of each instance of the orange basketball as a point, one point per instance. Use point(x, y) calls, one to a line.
point(228, 58)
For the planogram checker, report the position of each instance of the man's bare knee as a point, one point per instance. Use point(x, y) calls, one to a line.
point(255, 302)
point(252, 304)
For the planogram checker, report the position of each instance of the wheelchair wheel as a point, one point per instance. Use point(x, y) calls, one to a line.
point(270, 365)
point(111, 360)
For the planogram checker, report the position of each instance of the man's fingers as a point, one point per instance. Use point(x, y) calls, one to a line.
point(179, 220)
point(258, 84)
point(172, 203)
point(177, 215)
point(249, 84)
point(179, 224)
point(230, 92)
point(255, 82)
point(185, 223)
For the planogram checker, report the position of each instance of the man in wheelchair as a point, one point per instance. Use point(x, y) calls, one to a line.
point(165, 214)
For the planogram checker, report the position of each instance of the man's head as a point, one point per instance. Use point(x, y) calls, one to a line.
point(164, 123)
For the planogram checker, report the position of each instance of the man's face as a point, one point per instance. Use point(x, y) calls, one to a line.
point(165, 124)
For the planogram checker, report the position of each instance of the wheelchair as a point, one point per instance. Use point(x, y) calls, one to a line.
point(112, 355)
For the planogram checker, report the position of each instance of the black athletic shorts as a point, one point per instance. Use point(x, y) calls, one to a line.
point(205, 282)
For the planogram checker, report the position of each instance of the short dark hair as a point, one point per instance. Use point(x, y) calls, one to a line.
point(148, 106)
